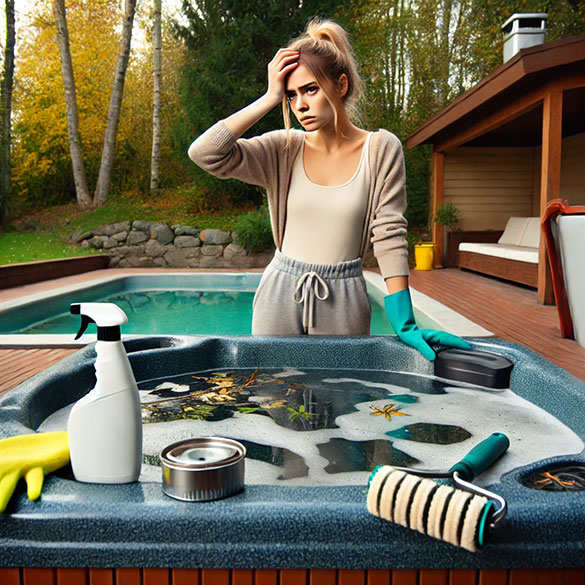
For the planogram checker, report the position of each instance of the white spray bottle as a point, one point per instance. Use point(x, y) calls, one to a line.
point(105, 426)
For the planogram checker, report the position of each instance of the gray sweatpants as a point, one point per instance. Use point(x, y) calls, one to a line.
point(296, 297)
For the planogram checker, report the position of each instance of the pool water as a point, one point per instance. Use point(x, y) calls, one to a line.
point(183, 312)
point(332, 427)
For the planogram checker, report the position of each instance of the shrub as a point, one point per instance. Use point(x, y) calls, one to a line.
point(253, 230)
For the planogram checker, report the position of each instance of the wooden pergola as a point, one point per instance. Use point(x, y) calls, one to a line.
point(537, 98)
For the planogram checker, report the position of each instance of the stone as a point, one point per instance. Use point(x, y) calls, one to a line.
point(162, 233)
point(75, 236)
point(155, 249)
point(160, 262)
point(211, 250)
point(232, 250)
point(192, 252)
point(85, 244)
point(137, 251)
point(194, 261)
point(114, 261)
point(185, 230)
point(120, 236)
point(121, 226)
point(213, 262)
point(187, 242)
point(83, 237)
point(142, 226)
point(215, 237)
point(136, 237)
point(175, 257)
point(136, 262)
point(113, 228)
point(97, 242)
point(110, 242)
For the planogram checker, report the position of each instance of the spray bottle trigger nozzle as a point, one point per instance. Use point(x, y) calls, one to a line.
point(85, 321)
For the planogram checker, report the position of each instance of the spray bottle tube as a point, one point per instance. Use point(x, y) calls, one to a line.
point(105, 426)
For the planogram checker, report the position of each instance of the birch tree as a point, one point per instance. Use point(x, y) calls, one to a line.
point(157, 82)
point(6, 105)
point(105, 172)
point(79, 176)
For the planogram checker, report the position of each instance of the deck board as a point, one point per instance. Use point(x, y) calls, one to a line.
point(509, 311)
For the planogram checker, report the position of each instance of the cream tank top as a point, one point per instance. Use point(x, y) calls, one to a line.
point(324, 224)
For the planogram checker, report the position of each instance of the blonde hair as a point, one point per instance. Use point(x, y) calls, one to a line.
point(326, 52)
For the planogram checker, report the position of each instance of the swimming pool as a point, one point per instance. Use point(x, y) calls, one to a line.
point(182, 304)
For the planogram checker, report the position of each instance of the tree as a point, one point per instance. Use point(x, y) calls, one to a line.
point(157, 82)
point(6, 105)
point(81, 190)
point(229, 45)
point(105, 173)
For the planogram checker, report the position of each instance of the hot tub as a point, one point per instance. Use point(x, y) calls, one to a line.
point(296, 525)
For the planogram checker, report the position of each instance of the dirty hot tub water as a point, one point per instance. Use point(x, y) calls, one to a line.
point(316, 415)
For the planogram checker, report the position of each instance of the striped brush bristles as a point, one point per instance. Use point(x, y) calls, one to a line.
point(440, 511)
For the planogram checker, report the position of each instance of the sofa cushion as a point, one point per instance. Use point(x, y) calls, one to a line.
point(531, 237)
point(520, 253)
point(514, 231)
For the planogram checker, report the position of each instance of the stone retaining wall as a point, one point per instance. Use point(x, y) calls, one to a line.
point(143, 244)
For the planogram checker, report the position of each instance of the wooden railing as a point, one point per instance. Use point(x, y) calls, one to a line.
point(29, 272)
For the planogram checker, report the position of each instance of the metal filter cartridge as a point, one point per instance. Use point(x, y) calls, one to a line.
point(202, 469)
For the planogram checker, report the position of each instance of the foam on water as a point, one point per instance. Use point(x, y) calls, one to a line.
point(359, 439)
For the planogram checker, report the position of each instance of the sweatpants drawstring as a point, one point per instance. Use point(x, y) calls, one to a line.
point(306, 291)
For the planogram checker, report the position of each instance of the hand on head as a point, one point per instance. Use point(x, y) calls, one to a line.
point(285, 61)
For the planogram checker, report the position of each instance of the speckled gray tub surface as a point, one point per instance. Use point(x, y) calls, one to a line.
point(277, 526)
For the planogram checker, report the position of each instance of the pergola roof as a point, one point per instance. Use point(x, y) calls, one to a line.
point(505, 108)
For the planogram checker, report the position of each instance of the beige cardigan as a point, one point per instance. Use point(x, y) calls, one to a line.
point(267, 161)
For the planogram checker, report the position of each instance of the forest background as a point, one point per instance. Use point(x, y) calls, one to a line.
point(415, 56)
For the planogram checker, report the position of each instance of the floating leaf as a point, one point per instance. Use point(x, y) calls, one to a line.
point(277, 404)
point(388, 411)
point(247, 409)
point(300, 413)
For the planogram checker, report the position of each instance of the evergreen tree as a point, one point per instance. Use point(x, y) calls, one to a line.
point(229, 46)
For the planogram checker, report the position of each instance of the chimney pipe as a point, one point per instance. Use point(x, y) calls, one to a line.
point(522, 31)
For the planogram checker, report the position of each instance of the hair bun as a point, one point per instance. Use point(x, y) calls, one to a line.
point(328, 31)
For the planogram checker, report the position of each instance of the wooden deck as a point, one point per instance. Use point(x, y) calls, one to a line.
point(509, 311)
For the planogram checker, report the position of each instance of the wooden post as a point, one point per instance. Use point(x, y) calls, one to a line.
point(550, 180)
point(438, 194)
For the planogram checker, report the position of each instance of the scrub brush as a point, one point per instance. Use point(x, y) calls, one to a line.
point(463, 517)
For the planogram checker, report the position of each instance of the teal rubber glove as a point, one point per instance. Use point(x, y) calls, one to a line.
point(400, 314)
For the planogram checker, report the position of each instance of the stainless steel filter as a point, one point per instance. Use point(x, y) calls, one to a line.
point(207, 468)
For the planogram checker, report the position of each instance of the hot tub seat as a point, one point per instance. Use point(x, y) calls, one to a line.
point(136, 525)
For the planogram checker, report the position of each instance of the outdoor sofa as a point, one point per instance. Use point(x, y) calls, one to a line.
point(514, 257)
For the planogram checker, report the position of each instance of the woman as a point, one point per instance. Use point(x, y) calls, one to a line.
point(331, 189)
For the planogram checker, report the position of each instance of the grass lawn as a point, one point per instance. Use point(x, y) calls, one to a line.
point(43, 234)
point(18, 247)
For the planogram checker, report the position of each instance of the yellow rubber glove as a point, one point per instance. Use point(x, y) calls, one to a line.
point(32, 457)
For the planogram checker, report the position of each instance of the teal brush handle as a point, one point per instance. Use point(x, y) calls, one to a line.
point(481, 456)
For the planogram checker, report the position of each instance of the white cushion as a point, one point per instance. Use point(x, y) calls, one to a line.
point(514, 231)
point(520, 253)
point(470, 247)
point(531, 237)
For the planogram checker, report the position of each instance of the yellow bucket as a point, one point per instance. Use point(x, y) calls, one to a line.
point(424, 255)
